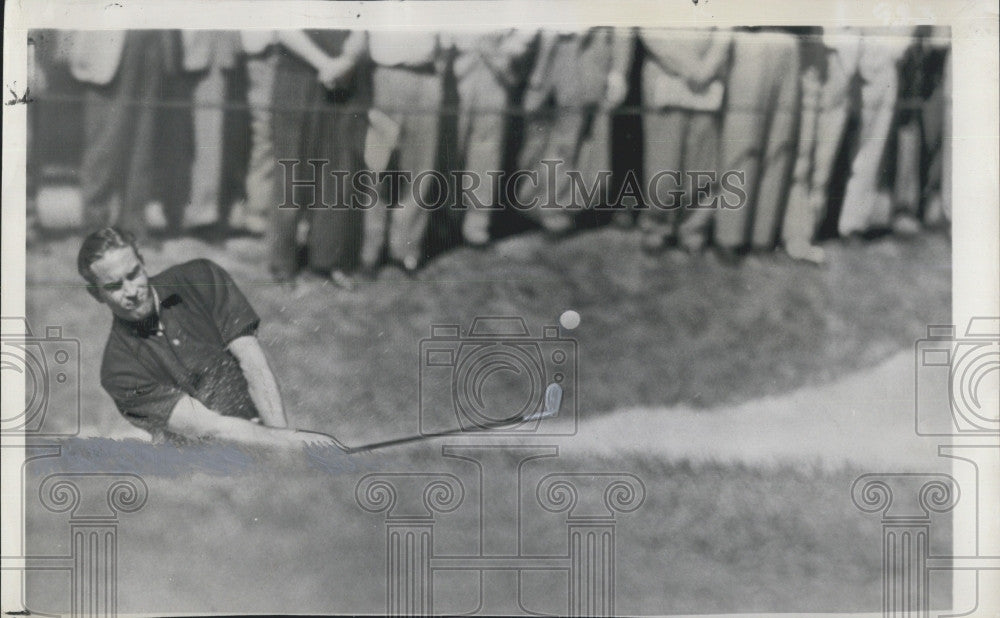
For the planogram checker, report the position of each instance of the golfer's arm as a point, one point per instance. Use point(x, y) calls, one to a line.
point(191, 419)
point(260, 380)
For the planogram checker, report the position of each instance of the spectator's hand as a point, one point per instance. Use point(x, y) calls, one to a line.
point(534, 98)
point(332, 70)
point(699, 79)
point(617, 90)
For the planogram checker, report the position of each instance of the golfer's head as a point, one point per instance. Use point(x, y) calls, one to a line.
point(115, 274)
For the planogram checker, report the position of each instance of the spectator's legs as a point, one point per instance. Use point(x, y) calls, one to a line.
point(482, 100)
point(291, 131)
point(334, 231)
point(744, 128)
point(262, 167)
point(555, 138)
point(701, 154)
point(235, 146)
point(117, 159)
point(865, 203)
point(933, 121)
point(176, 147)
point(663, 148)
point(143, 156)
point(807, 203)
point(108, 124)
point(801, 213)
point(907, 188)
point(207, 91)
point(946, 136)
point(593, 157)
point(783, 62)
point(417, 151)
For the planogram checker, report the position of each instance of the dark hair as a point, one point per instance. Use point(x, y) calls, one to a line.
point(95, 245)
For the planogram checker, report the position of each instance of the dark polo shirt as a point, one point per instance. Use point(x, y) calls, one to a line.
point(147, 369)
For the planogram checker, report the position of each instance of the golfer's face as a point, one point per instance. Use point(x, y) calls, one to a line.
point(122, 284)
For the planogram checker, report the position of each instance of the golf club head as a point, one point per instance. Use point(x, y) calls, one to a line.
point(553, 401)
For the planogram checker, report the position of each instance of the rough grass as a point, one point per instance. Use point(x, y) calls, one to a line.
point(266, 534)
point(654, 331)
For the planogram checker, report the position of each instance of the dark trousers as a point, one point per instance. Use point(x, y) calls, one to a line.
point(332, 132)
point(758, 135)
point(134, 151)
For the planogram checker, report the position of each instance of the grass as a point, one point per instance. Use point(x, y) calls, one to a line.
point(654, 331)
point(708, 538)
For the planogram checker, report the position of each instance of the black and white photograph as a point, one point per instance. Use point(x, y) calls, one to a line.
point(501, 308)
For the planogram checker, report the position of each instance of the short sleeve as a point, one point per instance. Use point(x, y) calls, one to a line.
point(232, 313)
point(141, 400)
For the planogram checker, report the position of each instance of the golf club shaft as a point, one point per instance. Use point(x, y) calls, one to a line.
point(350, 450)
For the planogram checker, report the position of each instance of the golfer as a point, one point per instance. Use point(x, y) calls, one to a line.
point(182, 360)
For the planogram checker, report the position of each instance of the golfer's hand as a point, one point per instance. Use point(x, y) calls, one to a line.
point(314, 439)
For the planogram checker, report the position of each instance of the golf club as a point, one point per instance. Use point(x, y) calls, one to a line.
point(550, 408)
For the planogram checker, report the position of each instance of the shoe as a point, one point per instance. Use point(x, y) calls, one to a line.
point(283, 277)
point(934, 215)
point(255, 225)
point(653, 243)
point(805, 252)
point(475, 235)
point(905, 225)
point(693, 245)
point(557, 225)
point(729, 256)
point(368, 272)
point(854, 240)
point(622, 219)
point(342, 280)
point(410, 264)
point(476, 239)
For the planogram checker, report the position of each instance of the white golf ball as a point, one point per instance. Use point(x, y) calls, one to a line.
point(569, 319)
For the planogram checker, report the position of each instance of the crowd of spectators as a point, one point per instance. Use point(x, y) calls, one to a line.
point(804, 133)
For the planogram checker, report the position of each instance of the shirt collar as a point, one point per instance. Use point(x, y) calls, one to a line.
point(150, 325)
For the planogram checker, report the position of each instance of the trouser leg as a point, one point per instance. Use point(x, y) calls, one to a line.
point(108, 124)
point(800, 216)
point(663, 146)
point(778, 156)
point(481, 125)
point(262, 166)
point(864, 202)
point(147, 79)
point(743, 129)
point(701, 154)
point(417, 151)
point(176, 147)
